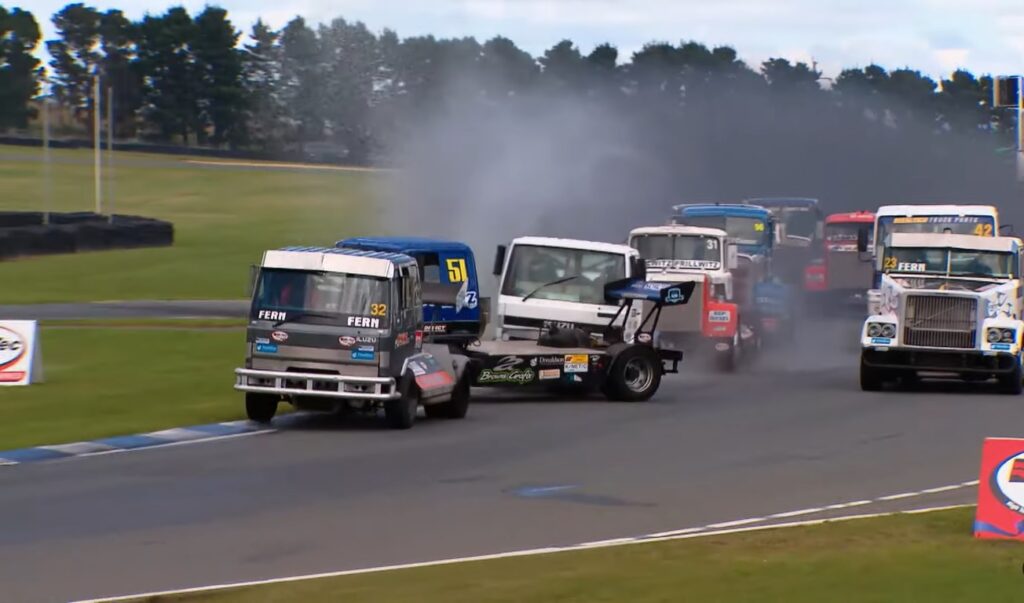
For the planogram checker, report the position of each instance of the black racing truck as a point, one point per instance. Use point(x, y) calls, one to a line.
point(341, 330)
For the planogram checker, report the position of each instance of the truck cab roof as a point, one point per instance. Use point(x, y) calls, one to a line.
point(847, 217)
point(722, 209)
point(380, 264)
point(403, 244)
point(935, 210)
point(678, 229)
point(575, 244)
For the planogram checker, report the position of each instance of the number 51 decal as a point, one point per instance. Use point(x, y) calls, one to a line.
point(456, 270)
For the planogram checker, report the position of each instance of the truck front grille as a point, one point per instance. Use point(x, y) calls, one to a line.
point(940, 321)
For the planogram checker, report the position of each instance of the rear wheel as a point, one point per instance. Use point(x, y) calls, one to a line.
point(634, 376)
point(260, 408)
point(400, 413)
point(1011, 383)
point(727, 360)
point(870, 377)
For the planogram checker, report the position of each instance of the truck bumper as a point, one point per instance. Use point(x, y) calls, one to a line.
point(316, 384)
point(945, 361)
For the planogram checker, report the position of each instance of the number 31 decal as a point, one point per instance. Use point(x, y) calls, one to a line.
point(378, 309)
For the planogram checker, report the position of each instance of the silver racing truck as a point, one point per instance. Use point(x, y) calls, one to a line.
point(342, 330)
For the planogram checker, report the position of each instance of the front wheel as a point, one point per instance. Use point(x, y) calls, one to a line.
point(456, 407)
point(870, 377)
point(634, 376)
point(400, 413)
point(1012, 383)
point(728, 360)
point(260, 408)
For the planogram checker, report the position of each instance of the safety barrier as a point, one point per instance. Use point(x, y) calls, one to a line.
point(25, 233)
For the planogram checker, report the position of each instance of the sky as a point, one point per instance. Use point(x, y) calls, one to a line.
point(935, 36)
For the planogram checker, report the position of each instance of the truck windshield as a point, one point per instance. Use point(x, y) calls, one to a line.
point(704, 251)
point(952, 262)
point(293, 293)
point(577, 275)
point(800, 222)
point(984, 225)
point(743, 231)
point(844, 231)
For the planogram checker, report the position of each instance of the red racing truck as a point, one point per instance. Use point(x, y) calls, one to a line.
point(838, 276)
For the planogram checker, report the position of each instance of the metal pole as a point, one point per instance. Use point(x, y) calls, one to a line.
point(47, 184)
point(110, 151)
point(1020, 128)
point(97, 133)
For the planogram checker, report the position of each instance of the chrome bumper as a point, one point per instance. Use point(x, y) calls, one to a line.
point(315, 384)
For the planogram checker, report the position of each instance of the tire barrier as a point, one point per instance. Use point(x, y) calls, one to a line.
point(24, 233)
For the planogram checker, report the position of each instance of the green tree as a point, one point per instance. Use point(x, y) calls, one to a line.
point(170, 97)
point(301, 87)
point(262, 76)
point(76, 58)
point(217, 64)
point(20, 71)
point(119, 66)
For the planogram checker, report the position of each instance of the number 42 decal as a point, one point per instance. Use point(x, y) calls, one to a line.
point(983, 230)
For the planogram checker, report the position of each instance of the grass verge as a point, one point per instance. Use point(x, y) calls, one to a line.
point(909, 557)
point(103, 382)
point(224, 218)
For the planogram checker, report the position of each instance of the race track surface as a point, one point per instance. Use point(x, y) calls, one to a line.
point(325, 494)
point(128, 309)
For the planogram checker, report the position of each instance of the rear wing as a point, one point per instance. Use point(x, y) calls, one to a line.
point(669, 294)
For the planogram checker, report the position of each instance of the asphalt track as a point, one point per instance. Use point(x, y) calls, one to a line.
point(128, 309)
point(325, 494)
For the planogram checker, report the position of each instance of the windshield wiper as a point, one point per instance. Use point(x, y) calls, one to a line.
point(303, 315)
point(554, 282)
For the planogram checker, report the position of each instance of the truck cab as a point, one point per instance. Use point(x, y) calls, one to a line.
point(342, 330)
point(440, 263)
point(839, 275)
point(799, 229)
point(949, 304)
point(704, 257)
point(546, 283)
point(976, 220)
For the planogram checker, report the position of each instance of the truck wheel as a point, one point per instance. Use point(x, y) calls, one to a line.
point(726, 361)
point(634, 375)
point(400, 413)
point(456, 408)
point(870, 377)
point(260, 408)
point(1011, 383)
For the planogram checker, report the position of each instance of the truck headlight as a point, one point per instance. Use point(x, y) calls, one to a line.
point(889, 330)
point(1009, 336)
point(874, 329)
point(993, 334)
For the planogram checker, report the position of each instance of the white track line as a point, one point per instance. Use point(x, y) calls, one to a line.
point(698, 532)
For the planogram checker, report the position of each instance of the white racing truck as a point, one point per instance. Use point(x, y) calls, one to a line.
point(547, 283)
point(949, 305)
point(679, 254)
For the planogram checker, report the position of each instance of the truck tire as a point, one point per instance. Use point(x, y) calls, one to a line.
point(260, 408)
point(870, 377)
point(634, 376)
point(727, 361)
point(1011, 383)
point(456, 407)
point(400, 413)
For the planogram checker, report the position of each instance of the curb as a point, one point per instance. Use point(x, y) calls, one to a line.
point(176, 435)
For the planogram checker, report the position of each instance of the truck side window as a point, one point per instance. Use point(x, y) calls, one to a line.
point(430, 268)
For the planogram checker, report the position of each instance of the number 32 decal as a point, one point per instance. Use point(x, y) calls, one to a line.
point(378, 309)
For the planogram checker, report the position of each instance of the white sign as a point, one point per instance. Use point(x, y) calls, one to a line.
point(20, 353)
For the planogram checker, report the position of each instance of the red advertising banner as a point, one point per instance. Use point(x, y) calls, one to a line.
point(1000, 513)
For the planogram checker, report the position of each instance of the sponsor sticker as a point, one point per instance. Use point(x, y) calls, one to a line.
point(266, 348)
point(434, 380)
point(545, 374)
point(683, 264)
point(346, 341)
point(674, 295)
point(279, 336)
point(644, 337)
point(1000, 510)
point(575, 363)
point(402, 339)
point(722, 347)
point(364, 353)
point(20, 356)
point(262, 340)
point(881, 340)
point(271, 315)
point(550, 360)
point(417, 368)
point(516, 376)
point(719, 316)
point(1000, 346)
point(911, 267)
point(367, 322)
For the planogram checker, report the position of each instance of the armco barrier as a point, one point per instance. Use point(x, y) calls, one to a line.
point(24, 233)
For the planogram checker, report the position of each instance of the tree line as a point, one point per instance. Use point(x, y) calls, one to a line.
point(191, 79)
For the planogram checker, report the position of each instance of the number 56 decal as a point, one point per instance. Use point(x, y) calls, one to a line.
point(378, 309)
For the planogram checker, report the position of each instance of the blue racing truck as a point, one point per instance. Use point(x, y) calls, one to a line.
point(761, 295)
point(441, 263)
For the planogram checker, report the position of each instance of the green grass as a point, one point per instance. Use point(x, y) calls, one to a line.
point(923, 557)
point(223, 220)
point(102, 382)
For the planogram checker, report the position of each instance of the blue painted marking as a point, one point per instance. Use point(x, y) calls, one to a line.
point(1000, 346)
point(218, 429)
point(542, 491)
point(132, 441)
point(364, 354)
point(28, 455)
point(266, 348)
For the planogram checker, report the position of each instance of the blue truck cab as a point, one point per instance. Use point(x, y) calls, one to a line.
point(751, 228)
point(441, 263)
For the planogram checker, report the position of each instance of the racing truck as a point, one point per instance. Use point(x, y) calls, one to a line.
point(977, 220)
point(703, 256)
point(552, 282)
point(839, 277)
point(799, 229)
point(761, 296)
point(950, 305)
point(341, 330)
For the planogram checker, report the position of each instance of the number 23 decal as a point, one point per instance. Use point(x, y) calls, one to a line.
point(378, 309)
point(889, 263)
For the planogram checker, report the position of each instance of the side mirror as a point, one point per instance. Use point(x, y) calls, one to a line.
point(499, 259)
point(638, 268)
point(732, 259)
point(1006, 229)
point(862, 240)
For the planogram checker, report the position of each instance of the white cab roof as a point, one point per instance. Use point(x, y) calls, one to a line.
point(936, 210)
point(955, 241)
point(575, 244)
point(677, 229)
point(329, 262)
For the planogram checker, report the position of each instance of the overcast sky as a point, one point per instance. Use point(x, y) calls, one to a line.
point(936, 36)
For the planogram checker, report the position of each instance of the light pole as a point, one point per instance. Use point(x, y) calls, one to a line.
point(47, 170)
point(1008, 91)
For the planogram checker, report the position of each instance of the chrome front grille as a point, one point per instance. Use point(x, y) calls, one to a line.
point(940, 321)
